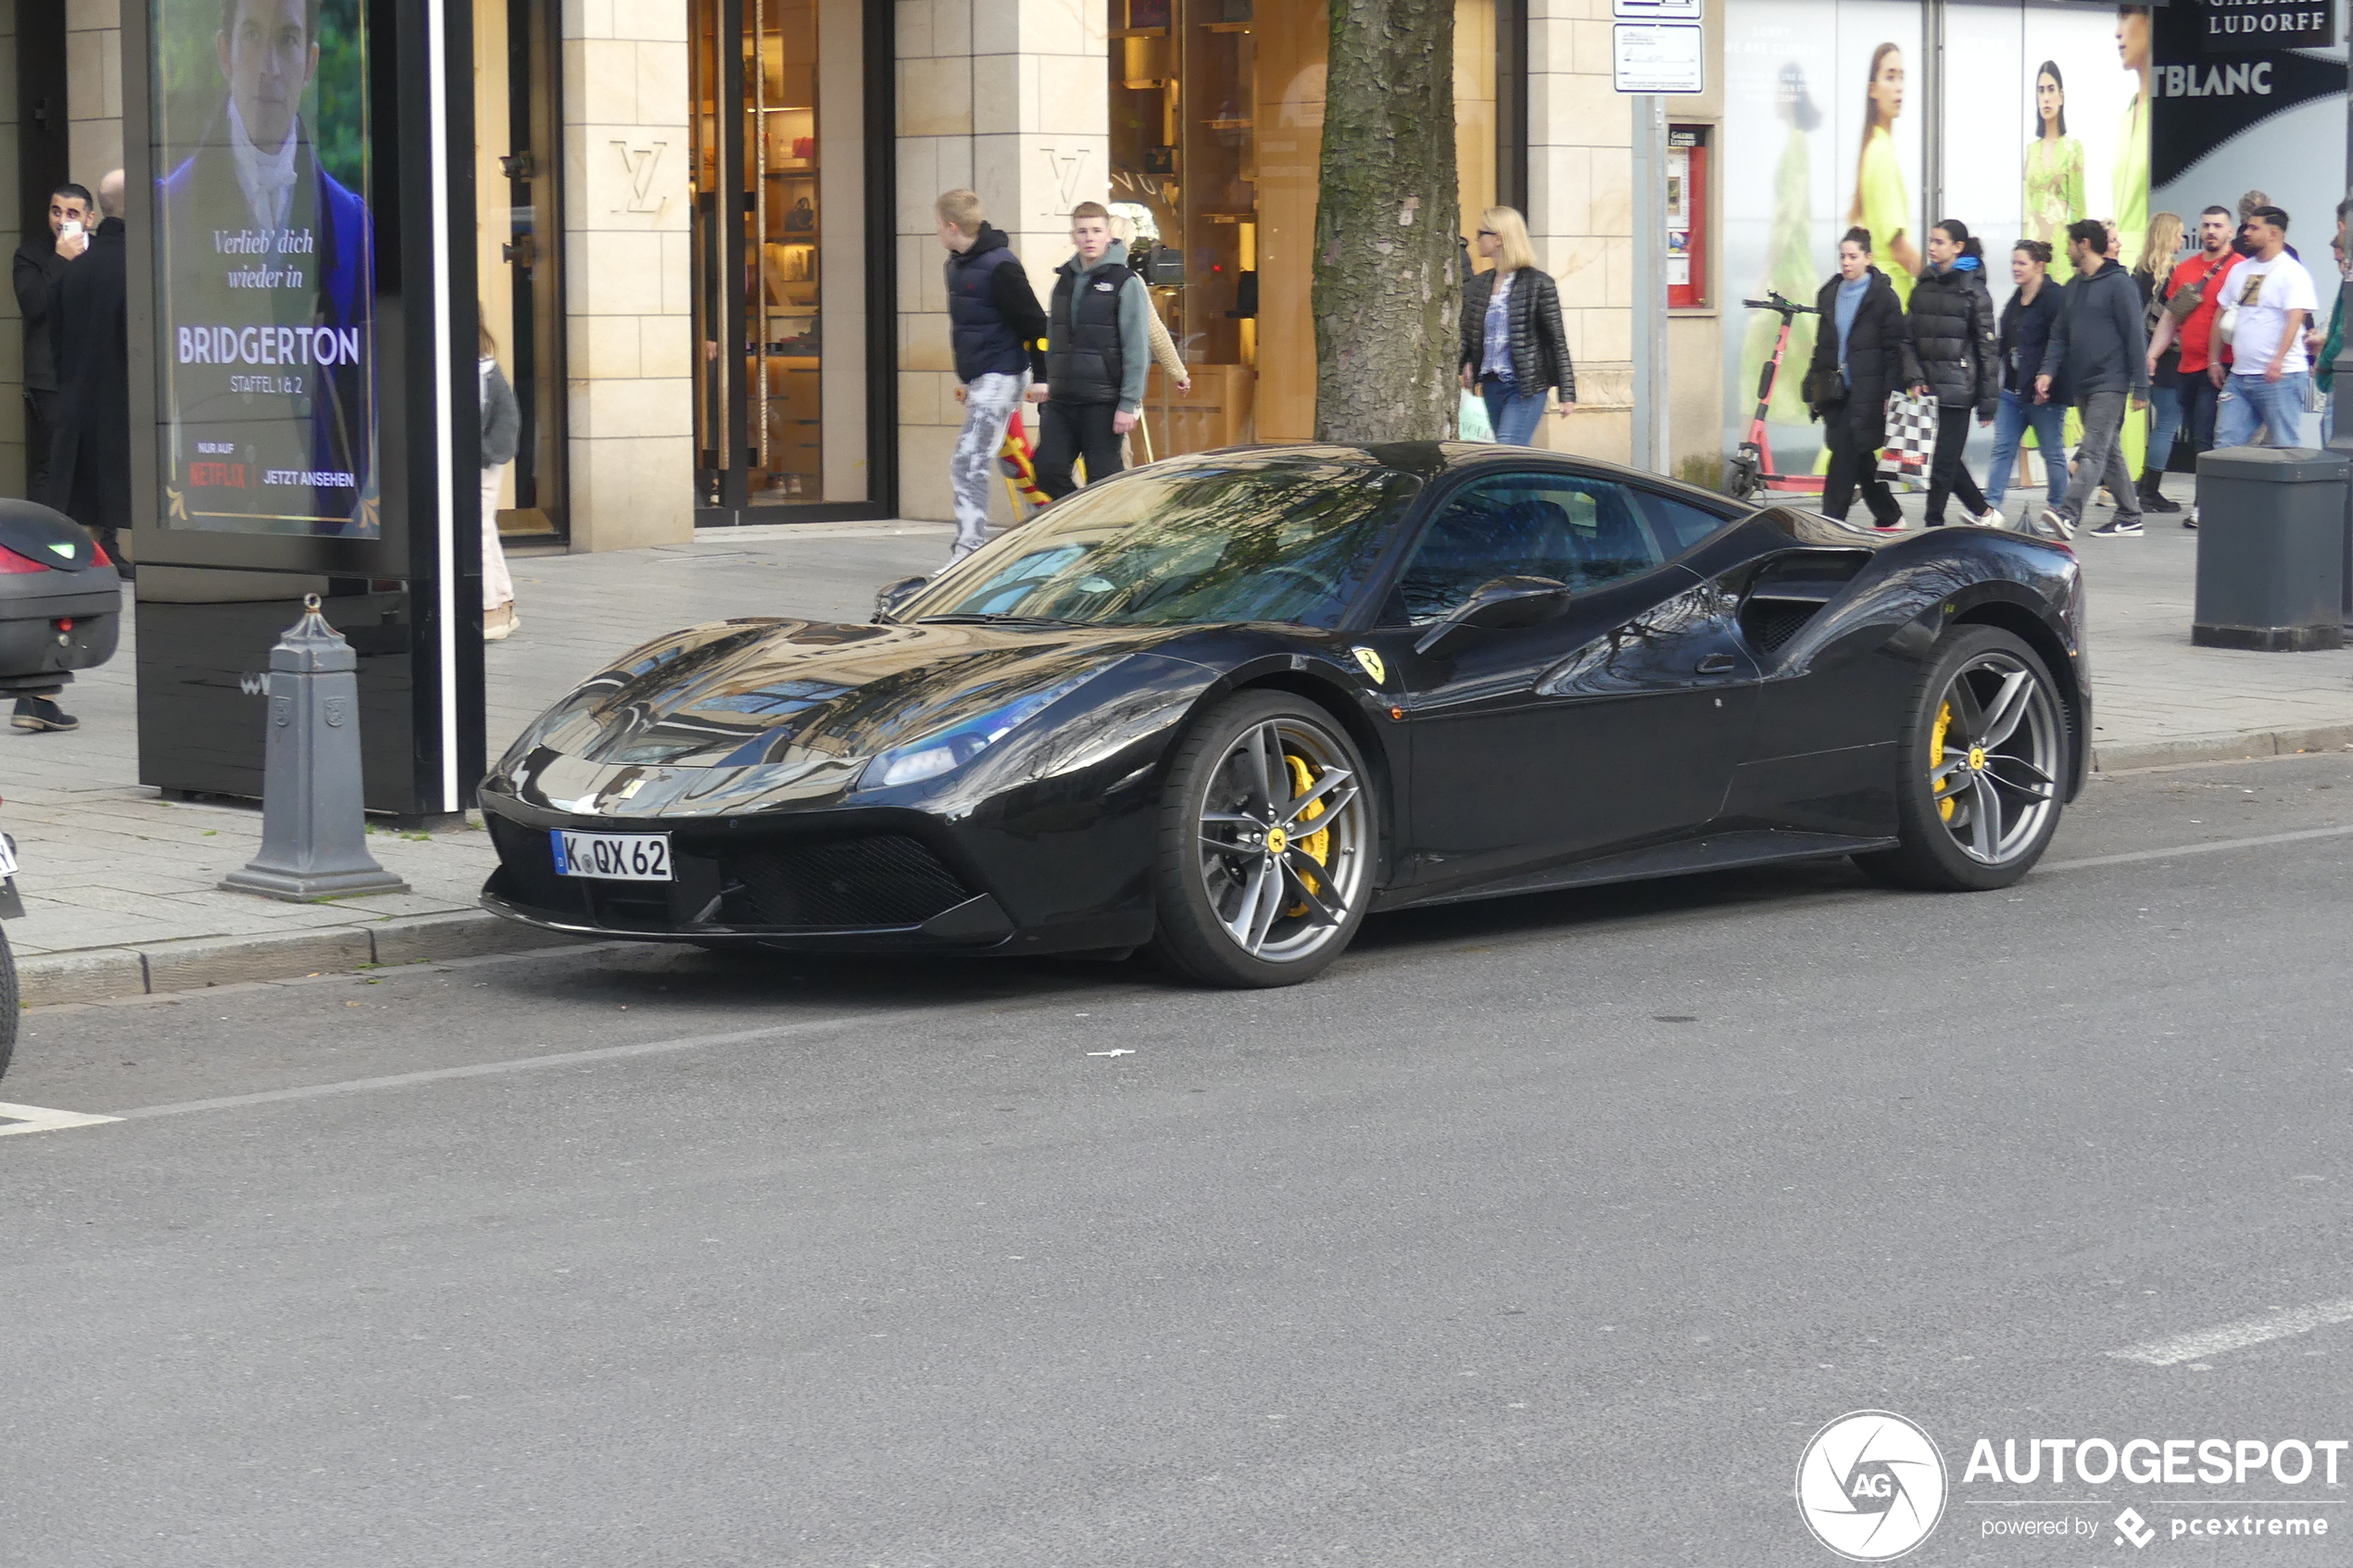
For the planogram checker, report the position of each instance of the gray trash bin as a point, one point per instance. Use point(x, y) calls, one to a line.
point(2271, 549)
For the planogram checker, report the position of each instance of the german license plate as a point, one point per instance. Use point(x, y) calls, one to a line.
point(614, 857)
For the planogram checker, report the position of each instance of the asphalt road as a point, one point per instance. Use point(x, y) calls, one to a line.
point(1539, 1231)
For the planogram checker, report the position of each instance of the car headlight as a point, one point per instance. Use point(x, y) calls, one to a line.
point(945, 750)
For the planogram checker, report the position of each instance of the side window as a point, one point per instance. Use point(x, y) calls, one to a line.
point(1581, 532)
point(1678, 523)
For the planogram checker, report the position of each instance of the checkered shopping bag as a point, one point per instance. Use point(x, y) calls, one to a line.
point(1911, 437)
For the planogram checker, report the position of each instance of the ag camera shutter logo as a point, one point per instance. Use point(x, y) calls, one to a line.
point(1870, 1485)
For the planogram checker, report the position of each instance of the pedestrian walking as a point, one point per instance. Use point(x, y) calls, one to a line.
point(90, 455)
point(1950, 320)
point(2268, 302)
point(2025, 332)
point(2098, 360)
point(1865, 354)
point(2329, 344)
point(501, 439)
point(2153, 279)
point(2193, 296)
point(1513, 349)
point(1097, 355)
point(997, 332)
point(39, 264)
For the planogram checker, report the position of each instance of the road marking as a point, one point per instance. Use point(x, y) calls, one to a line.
point(39, 1119)
point(523, 1064)
point(2237, 1336)
point(2219, 845)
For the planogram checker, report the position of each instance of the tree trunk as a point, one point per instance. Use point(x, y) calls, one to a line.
point(1386, 268)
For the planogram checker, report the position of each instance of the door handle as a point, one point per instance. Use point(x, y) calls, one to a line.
point(1716, 663)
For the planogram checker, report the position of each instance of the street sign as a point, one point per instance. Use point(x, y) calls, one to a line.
point(1659, 56)
point(1657, 10)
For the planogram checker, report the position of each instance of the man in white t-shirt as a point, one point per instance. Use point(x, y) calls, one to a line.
point(2269, 370)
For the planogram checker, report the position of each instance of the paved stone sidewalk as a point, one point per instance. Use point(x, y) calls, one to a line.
point(119, 885)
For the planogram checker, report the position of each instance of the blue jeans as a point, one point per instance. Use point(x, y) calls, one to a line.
point(2018, 414)
point(2250, 401)
point(2165, 420)
point(1514, 413)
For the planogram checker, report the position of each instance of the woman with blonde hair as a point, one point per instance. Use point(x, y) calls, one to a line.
point(2154, 276)
point(1514, 349)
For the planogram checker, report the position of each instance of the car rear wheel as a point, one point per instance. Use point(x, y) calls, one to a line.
point(1978, 764)
point(1264, 862)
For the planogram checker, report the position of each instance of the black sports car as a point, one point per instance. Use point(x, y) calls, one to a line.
point(1228, 705)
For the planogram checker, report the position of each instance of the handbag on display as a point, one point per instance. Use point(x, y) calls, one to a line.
point(1911, 436)
point(801, 219)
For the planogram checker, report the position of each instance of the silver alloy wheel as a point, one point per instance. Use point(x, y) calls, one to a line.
point(1284, 846)
point(1994, 758)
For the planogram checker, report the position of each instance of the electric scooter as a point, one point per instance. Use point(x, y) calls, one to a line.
point(1751, 471)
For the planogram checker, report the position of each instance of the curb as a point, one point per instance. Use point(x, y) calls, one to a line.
point(2230, 746)
point(101, 974)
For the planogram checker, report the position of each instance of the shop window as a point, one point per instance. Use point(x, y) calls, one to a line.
point(1216, 128)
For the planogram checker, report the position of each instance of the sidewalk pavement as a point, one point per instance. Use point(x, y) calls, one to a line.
point(119, 888)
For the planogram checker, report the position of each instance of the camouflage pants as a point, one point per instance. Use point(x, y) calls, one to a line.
point(989, 402)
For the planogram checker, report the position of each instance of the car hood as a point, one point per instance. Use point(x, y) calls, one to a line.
point(704, 719)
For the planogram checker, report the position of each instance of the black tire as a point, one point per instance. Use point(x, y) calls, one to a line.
point(1245, 899)
point(1999, 803)
point(9, 1002)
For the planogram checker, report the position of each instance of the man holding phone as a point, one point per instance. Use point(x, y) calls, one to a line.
point(39, 264)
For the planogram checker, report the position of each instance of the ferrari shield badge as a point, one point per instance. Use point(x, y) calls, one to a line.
point(1372, 664)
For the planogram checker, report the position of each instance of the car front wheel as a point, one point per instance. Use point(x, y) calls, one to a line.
point(1264, 862)
point(1978, 763)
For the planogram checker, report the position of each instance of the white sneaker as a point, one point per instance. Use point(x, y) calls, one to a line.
point(2054, 523)
point(1990, 517)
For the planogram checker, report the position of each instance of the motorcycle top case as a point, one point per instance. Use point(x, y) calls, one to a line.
point(60, 601)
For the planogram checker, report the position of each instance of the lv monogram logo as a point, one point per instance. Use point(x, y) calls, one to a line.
point(1065, 169)
point(642, 164)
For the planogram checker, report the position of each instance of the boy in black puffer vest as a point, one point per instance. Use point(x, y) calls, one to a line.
point(1098, 352)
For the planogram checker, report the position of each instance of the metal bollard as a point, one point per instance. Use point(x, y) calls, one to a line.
point(313, 827)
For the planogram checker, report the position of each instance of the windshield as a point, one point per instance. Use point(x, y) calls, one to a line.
point(1193, 541)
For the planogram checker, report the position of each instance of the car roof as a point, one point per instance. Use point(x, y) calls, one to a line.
point(1429, 460)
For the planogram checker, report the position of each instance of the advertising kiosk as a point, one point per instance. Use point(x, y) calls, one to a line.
point(304, 390)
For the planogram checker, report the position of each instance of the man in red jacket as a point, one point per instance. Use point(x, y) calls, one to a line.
point(2193, 333)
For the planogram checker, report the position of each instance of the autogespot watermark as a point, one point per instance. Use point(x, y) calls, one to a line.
point(1873, 1484)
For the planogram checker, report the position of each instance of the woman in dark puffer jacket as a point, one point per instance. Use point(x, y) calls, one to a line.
point(1952, 319)
point(1862, 353)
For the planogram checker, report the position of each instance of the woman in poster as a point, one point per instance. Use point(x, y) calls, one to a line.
point(1881, 204)
point(2054, 169)
point(2132, 180)
point(1789, 266)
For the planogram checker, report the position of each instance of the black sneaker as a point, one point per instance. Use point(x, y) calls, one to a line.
point(39, 713)
point(2117, 528)
point(2154, 500)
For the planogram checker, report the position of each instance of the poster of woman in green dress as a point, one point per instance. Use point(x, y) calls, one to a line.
point(2054, 170)
point(1881, 204)
point(2132, 178)
point(1789, 262)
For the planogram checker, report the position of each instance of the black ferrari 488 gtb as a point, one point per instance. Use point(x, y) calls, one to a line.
point(1228, 705)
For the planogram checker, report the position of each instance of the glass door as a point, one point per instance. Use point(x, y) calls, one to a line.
point(784, 414)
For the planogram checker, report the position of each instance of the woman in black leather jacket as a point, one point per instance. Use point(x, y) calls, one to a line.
point(1952, 322)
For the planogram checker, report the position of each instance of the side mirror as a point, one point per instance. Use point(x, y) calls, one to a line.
point(890, 595)
point(1504, 604)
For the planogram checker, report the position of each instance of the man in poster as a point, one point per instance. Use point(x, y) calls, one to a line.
point(268, 281)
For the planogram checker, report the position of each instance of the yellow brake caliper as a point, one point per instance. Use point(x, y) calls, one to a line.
point(1936, 761)
point(1318, 846)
